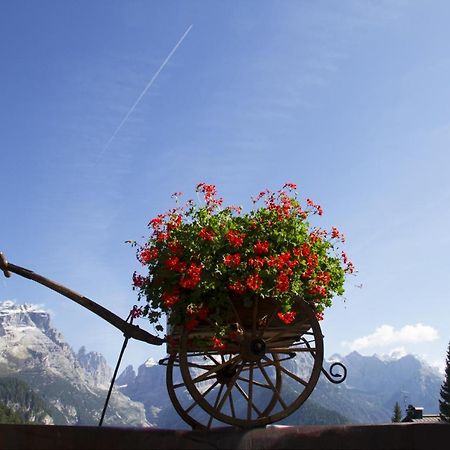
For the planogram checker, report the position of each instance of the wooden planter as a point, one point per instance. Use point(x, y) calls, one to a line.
point(261, 316)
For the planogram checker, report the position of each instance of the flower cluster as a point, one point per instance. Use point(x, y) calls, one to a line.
point(198, 257)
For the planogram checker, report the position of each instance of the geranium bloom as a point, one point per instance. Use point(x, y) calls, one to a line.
point(318, 291)
point(335, 232)
point(136, 312)
point(349, 268)
point(323, 277)
point(232, 260)
point(302, 251)
point(344, 257)
point(282, 282)
point(171, 298)
point(138, 280)
point(307, 274)
point(157, 222)
point(257, 263)
point(175, 247)
point(237, 287)
point(194, 270)
point(312, 261)
point(234, 238)
point(218, 343)
point(162, 236)
point(206, 234)
point(189, 283)
point(287, 317)
point(172, 262)
point(261, 247)
point(254, 282)
point(318, 208)
point(148, 254)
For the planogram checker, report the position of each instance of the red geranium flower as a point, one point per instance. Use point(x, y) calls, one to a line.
point(287, 317)
point(261, 247)
point(254, 282)
point(148, 254)
point(234, 238)
point(206, 234)
point(232, 260)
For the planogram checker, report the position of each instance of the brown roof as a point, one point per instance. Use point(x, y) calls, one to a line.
point(425, 419)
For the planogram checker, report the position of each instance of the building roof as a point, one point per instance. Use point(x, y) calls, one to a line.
point(415, 414)
point(425, 419)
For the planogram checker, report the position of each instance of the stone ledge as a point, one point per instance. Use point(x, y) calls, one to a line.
point(405, 436)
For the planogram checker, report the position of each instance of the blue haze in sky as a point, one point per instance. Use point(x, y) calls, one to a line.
point(350, 100)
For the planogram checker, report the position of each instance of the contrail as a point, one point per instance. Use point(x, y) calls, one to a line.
point(155, 76)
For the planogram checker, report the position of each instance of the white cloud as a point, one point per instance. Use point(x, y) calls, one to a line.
point(387, 335)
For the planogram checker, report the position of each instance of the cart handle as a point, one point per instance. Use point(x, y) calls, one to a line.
point(129, 330)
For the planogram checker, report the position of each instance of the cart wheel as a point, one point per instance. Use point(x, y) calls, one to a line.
point(244, 387)
point(186, 407)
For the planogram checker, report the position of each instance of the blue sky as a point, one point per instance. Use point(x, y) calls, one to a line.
point(350, 100)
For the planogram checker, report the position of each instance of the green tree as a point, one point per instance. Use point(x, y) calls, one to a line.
point(397, 416)
point(7, 415)
point(444, 402)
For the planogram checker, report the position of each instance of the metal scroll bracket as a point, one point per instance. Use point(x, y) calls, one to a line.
point(335, 377)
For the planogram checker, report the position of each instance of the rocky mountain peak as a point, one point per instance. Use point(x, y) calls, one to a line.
point(95, 367)
point(74, 384)
point(126, 377)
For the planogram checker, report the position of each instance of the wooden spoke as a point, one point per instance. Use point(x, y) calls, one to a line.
point(233, 412)
point(276, 335)
point(215, 369)
point(212, 359)
point(256, 383)
point(184, 412)
point(293, 349)
point(205, 393)
point(249, 402)
point(277, 394)
point(189, 409)
point(292, 375)
point(229, 388)
point(176, 386)
point(215, 404)
point(250, 391)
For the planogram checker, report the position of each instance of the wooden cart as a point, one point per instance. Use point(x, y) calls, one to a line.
point(264, 374)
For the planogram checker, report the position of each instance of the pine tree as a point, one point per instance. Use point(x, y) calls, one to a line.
point(444, 402)
point(397, 416)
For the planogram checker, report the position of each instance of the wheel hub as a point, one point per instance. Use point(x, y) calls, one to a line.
point(253, 349)
point(226, 374)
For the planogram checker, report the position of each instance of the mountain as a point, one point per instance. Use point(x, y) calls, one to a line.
point(374, 384)
point(72, 386)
